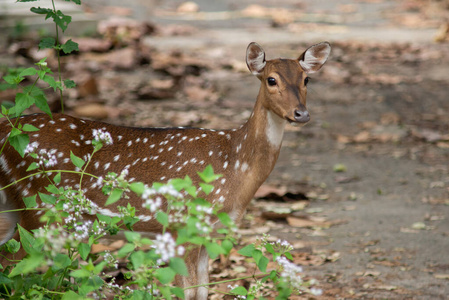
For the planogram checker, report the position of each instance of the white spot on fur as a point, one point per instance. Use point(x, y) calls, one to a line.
point(4, 165)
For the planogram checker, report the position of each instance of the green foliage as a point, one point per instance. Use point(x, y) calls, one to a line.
point(60, 263)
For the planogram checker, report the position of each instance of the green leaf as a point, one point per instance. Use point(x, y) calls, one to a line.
point(178, 292)
point(227, 246)
point(225, 219)
point(257, 254)
point(180, 183)
point(51, 81)
point(46, 43)
point(19, 142)
point(125, 250)
point(162, 218)
point(137, 187)
point(41, 11)
point(32, 166)
point(81, 273)
point(49, 199)
point(13, 80)
point(30, 201)
point(5, 110)
point(61, 20)
point(78, 2)
point(12, 246)
point(207, 188)
point(269, 248)
point(213, 249)
point(57, 178)
point(78, 162)
point(70, 84)
point(263, 263)
point(137, 259)
point(70, 46)
point(178, 265)
point(165, 292)
point(27, 265)
point(132, 236)
point(84, 250)
point(15, 131)
point(27, 240)
point(4, 279)
point(42, 104)
point(165, 275)
point(23, 101)
point(61, 261)
point(247, 250)
point(29, 128)
point(240, 290)
point(52, 189)
point(71, 295)
point(208, 174)
point(115, 195)
point(28, 72)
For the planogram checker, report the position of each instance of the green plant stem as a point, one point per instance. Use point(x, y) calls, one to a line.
point(85, 167)
point(59, 60)
point(40, 172)
point(226, 281)
point(6, 289)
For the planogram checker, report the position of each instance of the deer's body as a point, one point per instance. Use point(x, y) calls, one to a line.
point(245, 156)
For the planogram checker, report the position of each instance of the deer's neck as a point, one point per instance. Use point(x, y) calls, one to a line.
point(257, 145)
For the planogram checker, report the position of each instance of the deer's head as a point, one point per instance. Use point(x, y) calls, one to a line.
point(284, 81)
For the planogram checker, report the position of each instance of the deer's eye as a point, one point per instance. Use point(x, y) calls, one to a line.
point(306, 80)
point(271, 81)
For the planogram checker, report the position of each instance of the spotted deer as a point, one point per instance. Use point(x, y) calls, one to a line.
point(245, 156)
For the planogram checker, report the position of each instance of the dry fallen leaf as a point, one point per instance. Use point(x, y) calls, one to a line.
point(91, 110)
point(307, 223)
point(441, 276)
point(97, 248)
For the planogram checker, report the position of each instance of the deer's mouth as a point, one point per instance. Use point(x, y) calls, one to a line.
point(297, 123)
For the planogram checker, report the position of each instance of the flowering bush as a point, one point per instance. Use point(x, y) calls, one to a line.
point(59, 262)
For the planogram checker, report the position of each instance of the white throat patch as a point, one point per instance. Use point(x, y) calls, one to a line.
point(275, 129)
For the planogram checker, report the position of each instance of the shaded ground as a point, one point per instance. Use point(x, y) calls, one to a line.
point(371, 167)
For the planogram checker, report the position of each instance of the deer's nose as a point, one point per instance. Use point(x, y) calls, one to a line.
point(302, 116)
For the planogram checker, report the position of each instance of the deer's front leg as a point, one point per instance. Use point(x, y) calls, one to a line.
point(197, 263)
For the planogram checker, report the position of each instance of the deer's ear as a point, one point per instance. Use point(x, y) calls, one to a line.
point(255, 58)
point(314, 57)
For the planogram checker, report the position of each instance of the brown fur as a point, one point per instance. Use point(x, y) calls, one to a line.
point(245, 156)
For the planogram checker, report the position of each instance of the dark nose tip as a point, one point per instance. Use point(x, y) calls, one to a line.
point(302, 116)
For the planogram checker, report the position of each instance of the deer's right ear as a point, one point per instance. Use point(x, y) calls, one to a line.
point(255, 58)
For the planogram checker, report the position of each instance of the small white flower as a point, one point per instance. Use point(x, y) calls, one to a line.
point(102, 136)
point(165, 246)
point(316, 292)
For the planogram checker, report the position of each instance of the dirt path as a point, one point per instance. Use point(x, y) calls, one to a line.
point(369, 174)
point(379, 113)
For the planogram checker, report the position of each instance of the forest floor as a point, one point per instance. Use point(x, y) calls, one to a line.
point(362, 190)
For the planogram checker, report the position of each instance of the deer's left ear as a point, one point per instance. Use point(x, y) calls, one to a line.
point(314, 57)
point(255, 58)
